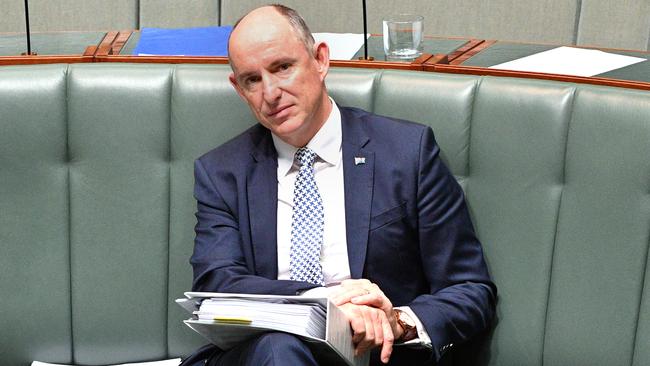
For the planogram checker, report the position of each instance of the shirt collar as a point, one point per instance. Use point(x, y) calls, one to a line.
point(326, 143)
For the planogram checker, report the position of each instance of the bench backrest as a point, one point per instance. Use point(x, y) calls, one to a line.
point(96, 207)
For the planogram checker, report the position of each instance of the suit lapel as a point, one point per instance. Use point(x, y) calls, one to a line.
point(358, 172)
point(262, 191)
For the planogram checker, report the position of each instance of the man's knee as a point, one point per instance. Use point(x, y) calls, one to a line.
point(268, 349)
point(280, 348)
point(288, 340)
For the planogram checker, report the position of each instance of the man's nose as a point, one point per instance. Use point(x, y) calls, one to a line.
point(271, 88)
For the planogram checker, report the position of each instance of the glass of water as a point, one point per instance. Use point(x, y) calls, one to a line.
point(403, 36)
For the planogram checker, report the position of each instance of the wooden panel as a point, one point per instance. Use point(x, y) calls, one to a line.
point(453, 69)
point(471, 51)
point(104, 47)
point(426, 63)
point(120, 41)
point(33, 60)
point(461, 51)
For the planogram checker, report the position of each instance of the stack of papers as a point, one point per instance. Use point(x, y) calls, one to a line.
point(226, 320)
point(305, 319)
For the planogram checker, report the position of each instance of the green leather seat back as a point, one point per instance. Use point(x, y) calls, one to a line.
point(97, 214)
point(601, 247)
point(205, 112)
point(34, 236)
point(505, 145)
point(518, 139)
point(118, 138)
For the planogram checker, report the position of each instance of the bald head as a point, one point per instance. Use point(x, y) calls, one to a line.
point(274, 14)
point(280, 76)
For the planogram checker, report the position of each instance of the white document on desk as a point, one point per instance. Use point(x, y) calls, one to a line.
point(570, 61)
point(343, 46)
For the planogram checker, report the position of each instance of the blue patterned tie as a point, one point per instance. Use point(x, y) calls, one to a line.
point(307, 223)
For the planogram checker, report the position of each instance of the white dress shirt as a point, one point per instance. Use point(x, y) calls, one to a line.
point(328, 172)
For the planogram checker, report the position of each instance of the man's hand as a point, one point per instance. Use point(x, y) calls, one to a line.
point(370, 328)
point(364, 293)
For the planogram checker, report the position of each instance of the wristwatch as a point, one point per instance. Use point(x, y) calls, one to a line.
point(407, 324)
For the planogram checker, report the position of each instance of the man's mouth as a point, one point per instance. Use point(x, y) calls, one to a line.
point(278, 112)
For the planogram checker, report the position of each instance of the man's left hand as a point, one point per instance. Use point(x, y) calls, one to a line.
point(364, 292)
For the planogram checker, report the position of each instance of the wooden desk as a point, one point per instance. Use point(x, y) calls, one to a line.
point(446, 55)
point(478, 60)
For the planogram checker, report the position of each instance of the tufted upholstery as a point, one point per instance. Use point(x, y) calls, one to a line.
point(96, 207)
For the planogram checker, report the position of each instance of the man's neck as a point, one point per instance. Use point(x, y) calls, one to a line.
point(321, 114)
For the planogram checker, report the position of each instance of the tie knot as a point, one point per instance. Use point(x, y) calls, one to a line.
point(305, 156)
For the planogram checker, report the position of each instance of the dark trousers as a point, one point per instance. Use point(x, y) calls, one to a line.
point(270, 349)
point(281, 349)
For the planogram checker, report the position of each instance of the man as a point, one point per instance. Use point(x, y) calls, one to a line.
point(365, 213)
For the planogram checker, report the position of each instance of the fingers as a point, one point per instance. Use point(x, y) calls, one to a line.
point(345, 295)
point(350, 289)
point(365, 330)
point(355, 282)
point(374, 299)
point(389, 339)
point(370, 329)
point(370, 314)
point(378, 333)
point(378, 300)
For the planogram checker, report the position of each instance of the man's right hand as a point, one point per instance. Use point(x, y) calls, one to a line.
point(370, 328)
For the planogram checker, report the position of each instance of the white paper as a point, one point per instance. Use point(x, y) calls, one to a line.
point(305, 319)
point(343, 46)
point(570, 61)
point(337, 335)
point(172, 362)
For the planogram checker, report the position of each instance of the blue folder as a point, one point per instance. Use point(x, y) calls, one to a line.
point(202, 41)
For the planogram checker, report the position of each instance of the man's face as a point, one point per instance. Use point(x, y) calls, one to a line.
point(282, 83)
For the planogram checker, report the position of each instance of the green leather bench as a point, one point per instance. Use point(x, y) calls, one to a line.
point(96, 207)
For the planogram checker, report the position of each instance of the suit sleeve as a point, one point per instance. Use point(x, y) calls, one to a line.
point(221, 261)
point(462, 297)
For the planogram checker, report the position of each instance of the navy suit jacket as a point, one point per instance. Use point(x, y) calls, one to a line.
point(408, 227)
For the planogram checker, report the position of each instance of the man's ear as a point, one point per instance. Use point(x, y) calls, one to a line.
point(322, 56)
point(233, 82)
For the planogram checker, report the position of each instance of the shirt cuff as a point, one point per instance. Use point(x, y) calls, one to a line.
point(423, 339)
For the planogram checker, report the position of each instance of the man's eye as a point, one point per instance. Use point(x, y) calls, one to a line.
point(285, 67)
point(252, 80)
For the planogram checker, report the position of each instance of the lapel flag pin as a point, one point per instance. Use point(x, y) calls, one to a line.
point(359, 160)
